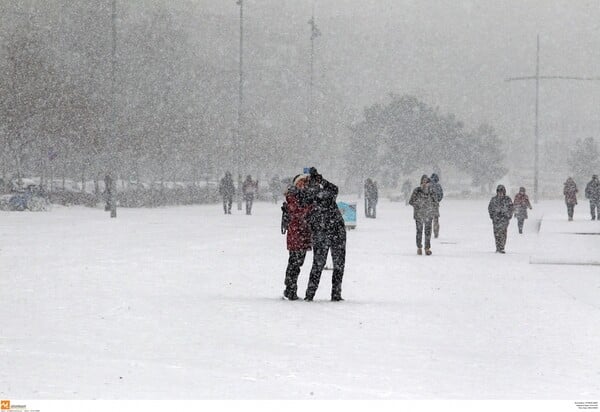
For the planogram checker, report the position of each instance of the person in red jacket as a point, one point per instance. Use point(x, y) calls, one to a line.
point(299, 235)
point(521, 204)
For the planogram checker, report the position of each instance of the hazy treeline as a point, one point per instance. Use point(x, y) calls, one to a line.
point(174, 115)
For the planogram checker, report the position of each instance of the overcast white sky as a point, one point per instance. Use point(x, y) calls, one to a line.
point(454, 54)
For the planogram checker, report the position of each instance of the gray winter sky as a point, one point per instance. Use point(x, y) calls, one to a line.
point(454, 54)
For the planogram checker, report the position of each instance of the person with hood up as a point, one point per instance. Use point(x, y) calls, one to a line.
point(592, 192)
point(424, 206)
point(570, 191)
point(371, 197)
point(249, 189)
point(299, 236)
point(328, 233)
point(406, 188)
point(501, 211)
point(227, 190)
point(521, 204)
point(438, 193)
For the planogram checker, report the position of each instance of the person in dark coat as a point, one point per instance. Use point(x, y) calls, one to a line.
point(501, 211)
point(592, 192)
point(570, 191)
point(521, 204)
point(328, 233)
point(110, 191)
point(227, 190)
point(424, 205)
point(249, 189)
point(275, 188)
point(299, 236)
point(371, 197)
point(406, 190)
point(438, 193)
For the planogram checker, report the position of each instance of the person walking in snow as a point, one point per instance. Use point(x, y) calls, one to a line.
point(570, 191)
point(424, 205)
point(521, 204)
point(501, 211)
point(592, 192)
point(406, 190)
point(299, 236)
point(371, 197)
point(438, 193)
point(275, 188)
point(227, 190)
point(328, 233)
point(110, 192)
point(249, 189)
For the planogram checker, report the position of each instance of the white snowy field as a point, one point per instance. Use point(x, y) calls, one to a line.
point(184, 303)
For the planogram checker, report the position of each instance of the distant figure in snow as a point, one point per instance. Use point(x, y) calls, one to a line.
point(275, 188)
point(371, 197)
point(424, 206)
point(299, 236)
point(249, 189)
point(521, 204)
point(227, 190)
point(406, 190)
point(438, 193)
point(110, 194)
point(501, 211)
point(570, 192)
point(328, 233)
point(592, 192)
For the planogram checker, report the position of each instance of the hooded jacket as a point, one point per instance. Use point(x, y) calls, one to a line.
point(570, 191)
point(500, 208)
point(424, 204)
point(326, 220)
point(592, 190)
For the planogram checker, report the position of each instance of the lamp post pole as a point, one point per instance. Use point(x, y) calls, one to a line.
point(238, 143)
point(111, 192)
point(314, 33)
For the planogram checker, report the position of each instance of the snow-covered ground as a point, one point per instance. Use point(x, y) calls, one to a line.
point(184, 303)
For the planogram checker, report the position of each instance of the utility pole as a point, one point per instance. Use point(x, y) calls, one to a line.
point(537, 79)
point(111, 192)
point(314, 33)
point(238, 142)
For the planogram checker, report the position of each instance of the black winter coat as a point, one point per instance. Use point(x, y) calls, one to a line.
point(592, 190)
point(424, 204)
point(326, 220)
point(226, 187)
point(501, 210)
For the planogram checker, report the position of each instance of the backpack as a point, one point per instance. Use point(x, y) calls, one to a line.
point(285, 218)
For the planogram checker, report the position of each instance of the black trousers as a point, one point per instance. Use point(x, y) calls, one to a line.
point(500, 234)
point(371, 207)
point(321, 247)
point(249, 201)
point(570, 210)
point(227, 202)
point(436, 226)
point(520, 221)
point(595, 209)
point(424, 225)
point(295, 262)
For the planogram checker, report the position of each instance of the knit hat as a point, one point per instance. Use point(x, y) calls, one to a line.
point(501, 188)
point(300, 178)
